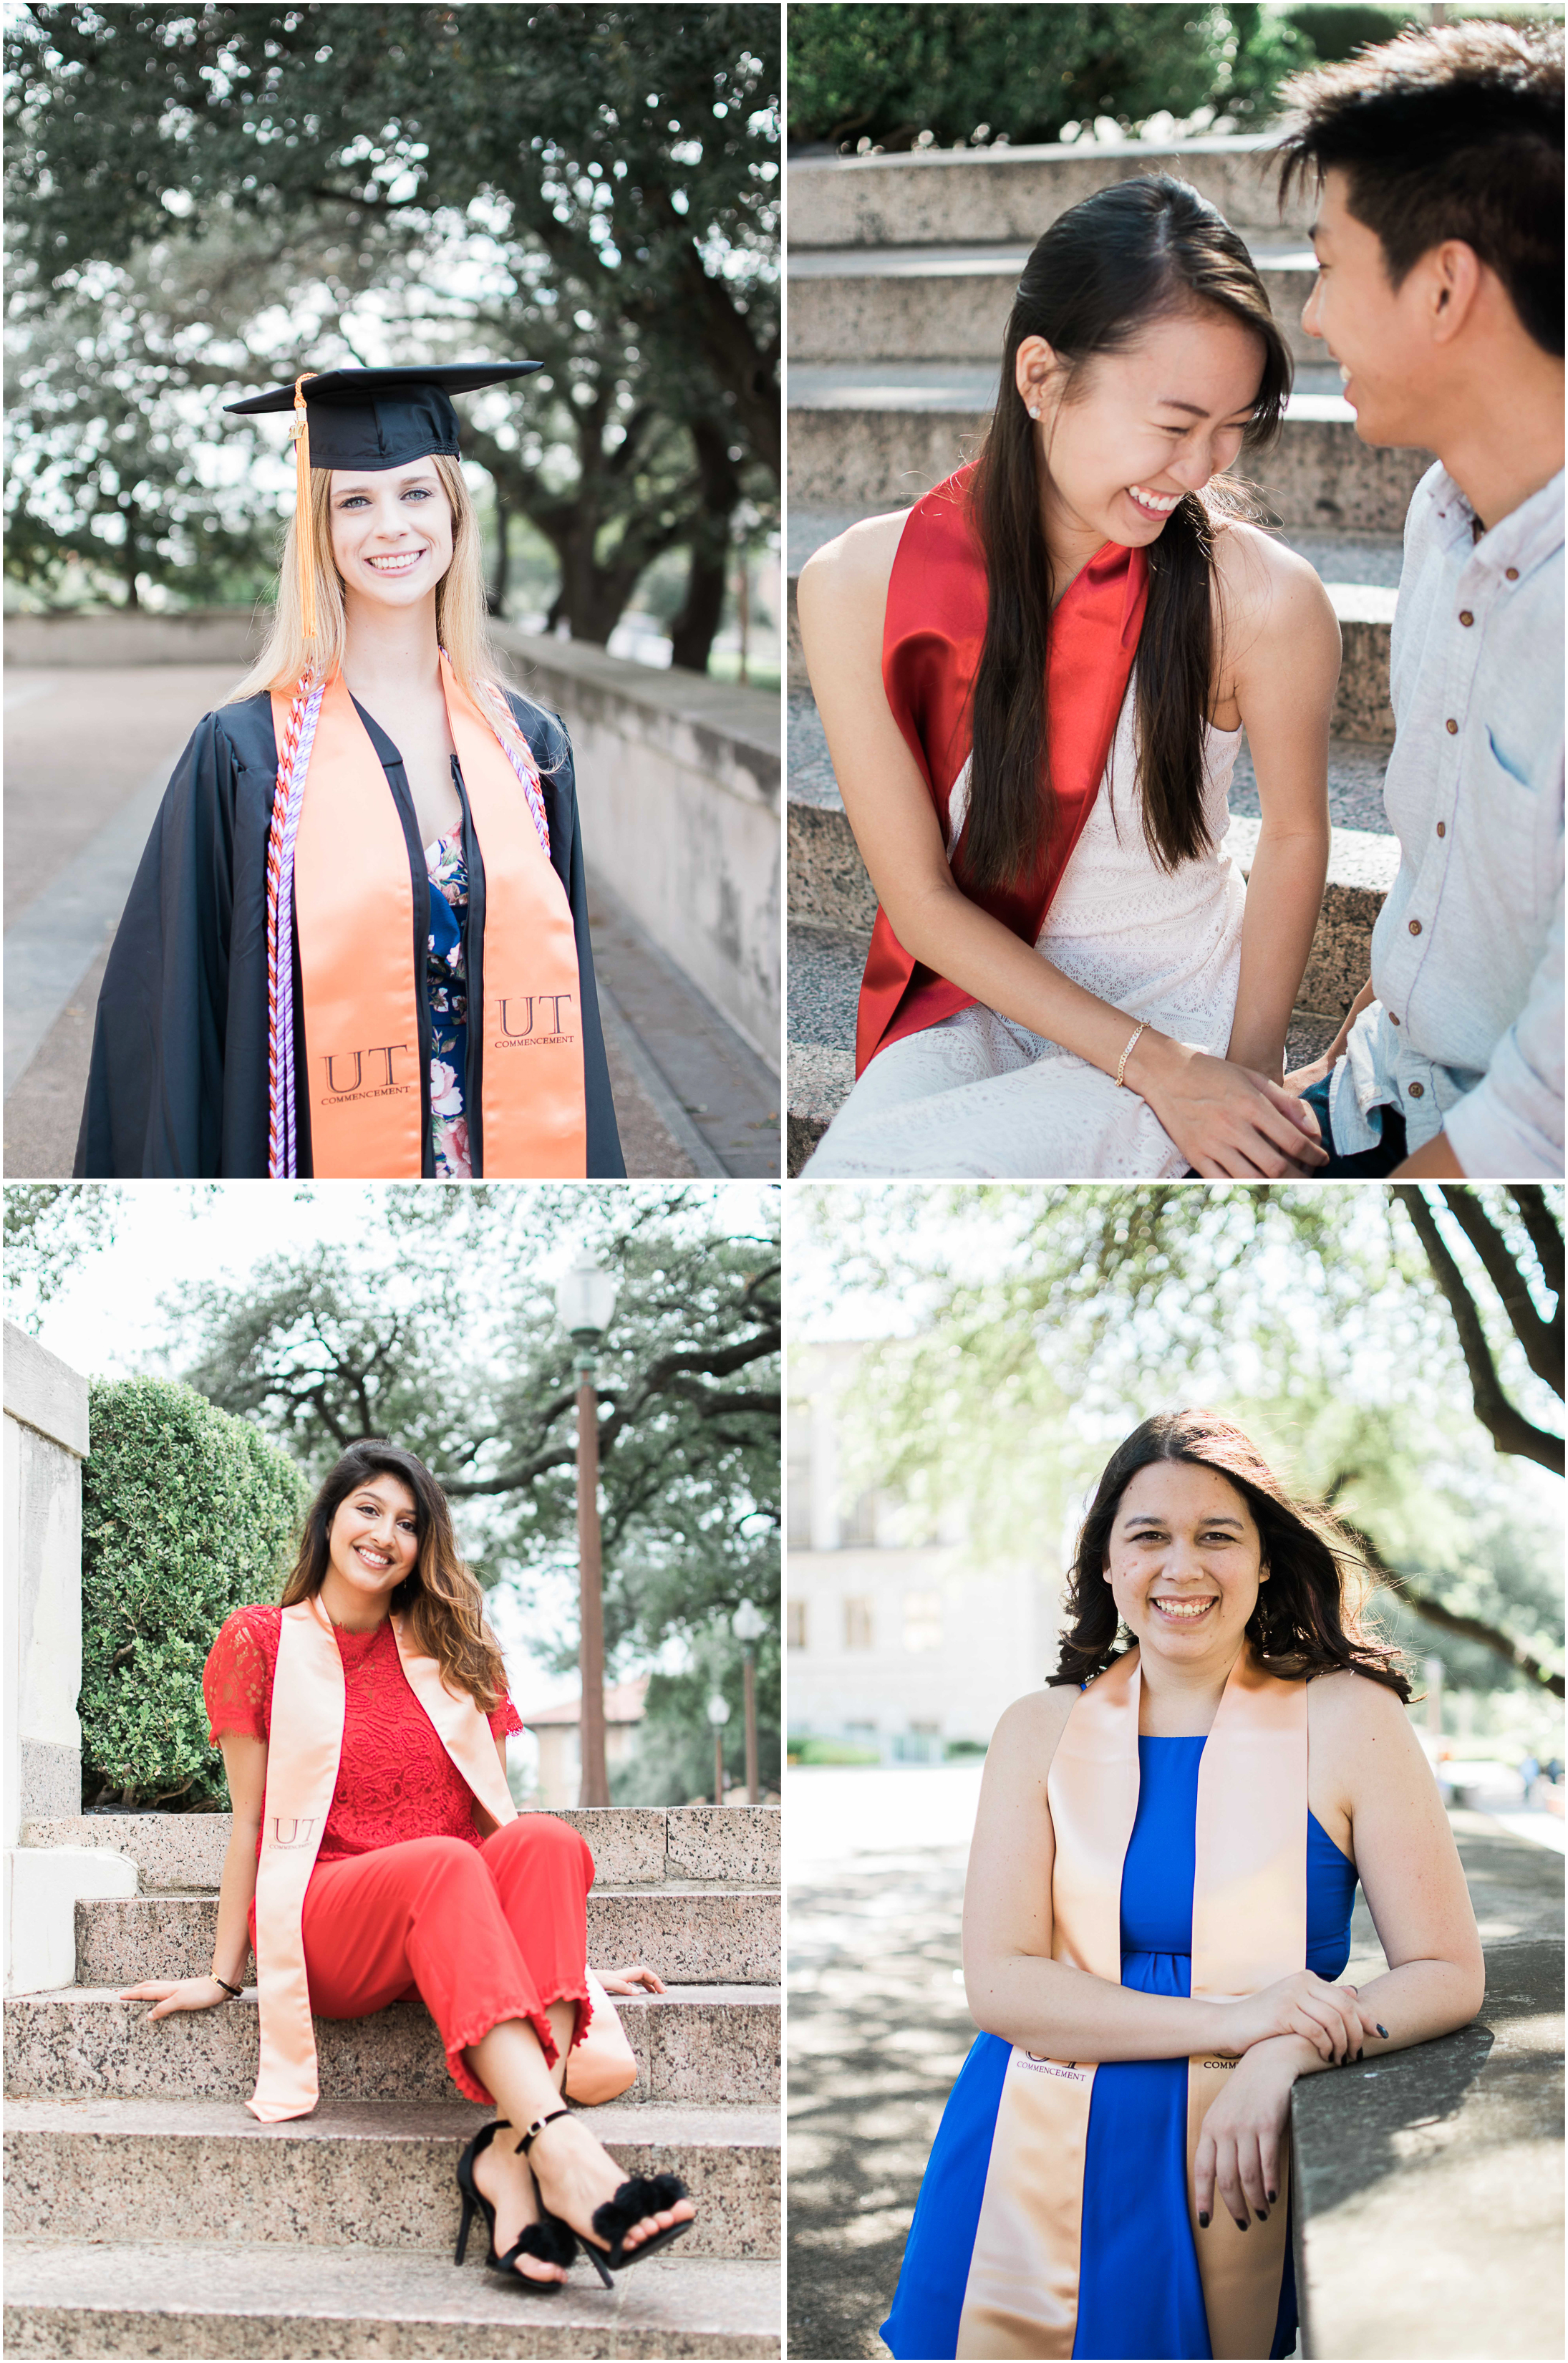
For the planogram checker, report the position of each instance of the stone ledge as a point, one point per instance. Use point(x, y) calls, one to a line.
point(1429, 2184)
point(45, 1393)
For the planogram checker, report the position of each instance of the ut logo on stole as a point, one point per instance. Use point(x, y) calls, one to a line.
point(298, 1832)
point(532, 1020)
point(366, 1074)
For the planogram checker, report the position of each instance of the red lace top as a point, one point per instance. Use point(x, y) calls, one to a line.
point(395, 1780)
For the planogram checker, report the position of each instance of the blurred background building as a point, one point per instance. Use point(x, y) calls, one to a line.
point(903, 1644)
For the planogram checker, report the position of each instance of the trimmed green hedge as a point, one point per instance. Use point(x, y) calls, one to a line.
point(186, 1514)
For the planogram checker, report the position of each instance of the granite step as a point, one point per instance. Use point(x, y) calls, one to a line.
point(711, 2045)
point(691, 1936)
point(729, 1846)
point(370, 2174)
point(936, 196)
point(950, 303)
point(881, 434)
point(173, 2299)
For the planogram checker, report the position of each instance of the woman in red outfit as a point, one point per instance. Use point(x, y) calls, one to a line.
point(405, 1895)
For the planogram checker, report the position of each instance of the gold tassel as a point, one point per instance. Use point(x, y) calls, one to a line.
point(304, 551)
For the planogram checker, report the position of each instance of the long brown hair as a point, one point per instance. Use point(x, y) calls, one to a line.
point(1308, 1617)
point(442, 1602)
point(1106, 269)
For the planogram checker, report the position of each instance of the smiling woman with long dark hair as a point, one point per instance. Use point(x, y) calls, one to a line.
point(375, 1854)
point(1035, 684)
point(357, 942)
point(1156, 1921)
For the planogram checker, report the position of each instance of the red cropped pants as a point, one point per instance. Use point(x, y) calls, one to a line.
point(482, 1934)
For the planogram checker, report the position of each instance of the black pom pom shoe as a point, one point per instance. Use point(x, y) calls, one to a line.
point(550, 2241)
point(642, 2194)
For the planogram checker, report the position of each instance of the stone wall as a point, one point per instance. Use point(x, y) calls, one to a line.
point(87, 643)
point(678, 778)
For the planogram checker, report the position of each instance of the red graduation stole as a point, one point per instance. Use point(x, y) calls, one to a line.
point(1249, 1928)
point(932, 637)
point(354, 919)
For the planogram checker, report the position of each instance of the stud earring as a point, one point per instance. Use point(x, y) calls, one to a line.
point(1034, 410)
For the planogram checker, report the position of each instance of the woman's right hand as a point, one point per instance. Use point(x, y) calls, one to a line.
point(176, 1993)
point(1332, 2019)
point(1229, 1122)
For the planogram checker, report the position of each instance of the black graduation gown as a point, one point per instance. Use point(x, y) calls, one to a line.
point(178, 1085)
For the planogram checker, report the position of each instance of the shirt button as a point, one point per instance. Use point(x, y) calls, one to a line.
point(1443, 828)
point(1392, 1019)
point(1418, 1090)
point(1452, 727)
point(1415, 926)
point(1465, 617)
point(1512, 572)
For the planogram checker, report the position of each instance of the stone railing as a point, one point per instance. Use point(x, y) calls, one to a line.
point(84, 642)
point(678, 778)
point(1428, 2183)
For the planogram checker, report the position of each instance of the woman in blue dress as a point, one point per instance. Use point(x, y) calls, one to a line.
point(1237, 1600)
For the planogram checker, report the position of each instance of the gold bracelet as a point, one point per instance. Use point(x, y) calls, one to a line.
point(1122, 1063)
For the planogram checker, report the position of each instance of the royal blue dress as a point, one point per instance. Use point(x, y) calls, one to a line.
point(1138, 2294)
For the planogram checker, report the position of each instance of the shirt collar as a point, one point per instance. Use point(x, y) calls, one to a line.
point(1526, 536)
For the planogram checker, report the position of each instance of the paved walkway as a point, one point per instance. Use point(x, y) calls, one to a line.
point(88, 755)
point(878, 2027)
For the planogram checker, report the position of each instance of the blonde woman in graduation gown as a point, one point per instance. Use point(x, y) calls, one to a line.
point(357, 942)
point(363, 1730)
point(1165, 1859)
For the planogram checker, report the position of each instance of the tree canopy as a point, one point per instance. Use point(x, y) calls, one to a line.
point(248, 190)
point(1385, 1346)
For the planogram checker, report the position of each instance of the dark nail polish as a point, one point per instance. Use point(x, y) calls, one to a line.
point(1241, 2225)
point(1384, 2032)
point(1274, 2198)
point(1203, 2222)
point(1263, 2215)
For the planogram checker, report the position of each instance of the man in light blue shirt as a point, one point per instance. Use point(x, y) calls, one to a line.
point(1439, 236)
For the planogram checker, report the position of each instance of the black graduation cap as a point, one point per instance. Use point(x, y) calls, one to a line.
point(383, 418)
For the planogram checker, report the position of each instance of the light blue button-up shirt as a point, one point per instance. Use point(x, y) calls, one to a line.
point(1465, 1036)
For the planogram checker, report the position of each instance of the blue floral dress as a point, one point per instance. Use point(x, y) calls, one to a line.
point(447, 986)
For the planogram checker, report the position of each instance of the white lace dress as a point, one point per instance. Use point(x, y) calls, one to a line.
point(978, 1096)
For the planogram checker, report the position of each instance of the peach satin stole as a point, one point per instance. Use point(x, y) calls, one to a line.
point(304, 1742)
point(354, 924)
point(1249, 1928)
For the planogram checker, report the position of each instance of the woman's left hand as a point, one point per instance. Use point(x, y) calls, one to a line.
point(1238, 2148)
point(637, 1978)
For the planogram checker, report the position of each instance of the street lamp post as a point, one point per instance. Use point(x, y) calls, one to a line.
point(718, 1715)
point(749, 1625)
point(585, 1301)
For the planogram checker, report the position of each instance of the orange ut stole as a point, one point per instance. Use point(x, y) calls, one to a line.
point(354, 922)
point(304, 1742)
point(1249, 1928)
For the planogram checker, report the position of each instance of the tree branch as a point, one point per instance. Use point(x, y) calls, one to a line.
point(1545, 1237)
point(1509, 1428)
point(1543, 1351)
point(1447, 1620)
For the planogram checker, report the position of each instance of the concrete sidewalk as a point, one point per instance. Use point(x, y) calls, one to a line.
point(88, 755)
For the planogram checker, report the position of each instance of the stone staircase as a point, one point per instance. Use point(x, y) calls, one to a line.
point(148, 2214)
point(908, 263)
